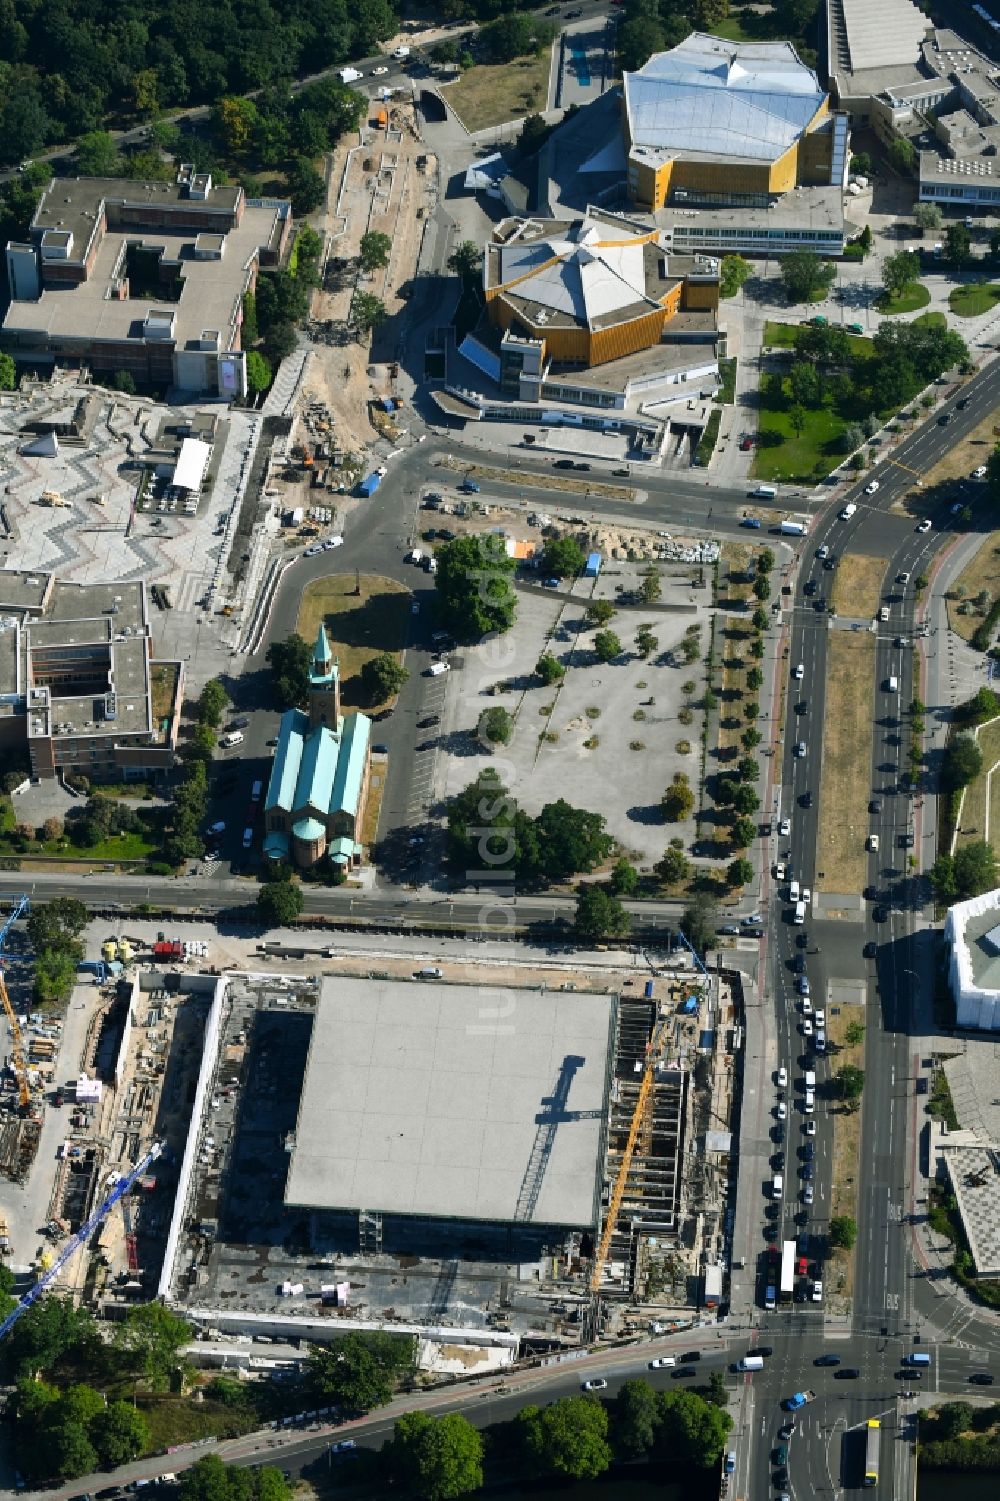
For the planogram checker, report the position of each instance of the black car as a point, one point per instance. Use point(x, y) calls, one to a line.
point(829, 564)
point(847, 1373)
point(879, 914)
point(802, 940)
point(690, 1355)
point(564, 464)
point(819, 605)
point(944, 419)
point(827, 1360)
point(806, 1171)
point(981, 1378)
point(811, 587)
point(763, 1350)
point(780, 1479)
point(809, 1151)
point(380, 750)
point(681, 1372)
point(962, 404)
point(778, 1162)
point(806, 800)
point(799, 964)
point(802, 706)
point(909, 1376)
point(874, 806)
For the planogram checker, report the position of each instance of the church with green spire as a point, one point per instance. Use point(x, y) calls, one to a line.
point(318, 790)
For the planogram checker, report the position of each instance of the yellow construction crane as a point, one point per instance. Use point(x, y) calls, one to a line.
point(16, 1049)
point(653, 1052)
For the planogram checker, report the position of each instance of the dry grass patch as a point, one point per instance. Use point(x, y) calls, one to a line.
point(983, 572)
point(843, 822)
point(360, 625)
point(491, 94)
point(846, 1144)
point(857, 586)
point(373, 808)
point(958, 463)
point(973, 825)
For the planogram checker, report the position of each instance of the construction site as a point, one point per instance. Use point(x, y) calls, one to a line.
point(527, 1175)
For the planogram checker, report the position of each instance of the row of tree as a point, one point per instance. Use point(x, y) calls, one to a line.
point(487, 831)
point(54, 929)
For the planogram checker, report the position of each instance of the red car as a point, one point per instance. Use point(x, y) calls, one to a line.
point(746, 444)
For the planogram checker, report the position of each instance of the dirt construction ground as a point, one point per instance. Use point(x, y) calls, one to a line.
point(843, 822)
point(374, 185)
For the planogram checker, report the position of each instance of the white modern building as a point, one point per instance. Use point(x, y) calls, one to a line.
point(972, 930)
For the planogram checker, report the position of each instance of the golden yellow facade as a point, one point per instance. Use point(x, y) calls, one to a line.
point(700, 295)
point(583, 346)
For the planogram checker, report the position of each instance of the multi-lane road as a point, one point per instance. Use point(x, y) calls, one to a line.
point(893, 1303)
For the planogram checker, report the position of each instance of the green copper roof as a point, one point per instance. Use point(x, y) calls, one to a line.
point(309, 830)
point(351, 764)
point(322, 652)
point(316, 773)
point(287, 758)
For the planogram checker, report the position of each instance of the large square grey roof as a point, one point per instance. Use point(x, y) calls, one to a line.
point(424, 1098)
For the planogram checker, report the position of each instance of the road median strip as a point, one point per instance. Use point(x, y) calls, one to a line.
point(844, 792)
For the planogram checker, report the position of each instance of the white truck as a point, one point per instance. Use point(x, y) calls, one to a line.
point(399, 53)
point(348, 75)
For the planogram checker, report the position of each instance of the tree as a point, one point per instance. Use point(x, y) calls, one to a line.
point(900, 271)
point(290, 662)
point(805, 384)
point(742, 833)
point(259, 372)
point(698, 921)
point(375, 250)
point(51, 1329)
point(739, 872)
point(279, 903)
point(8, 373)
point(69, 1451)
point(954, 1418)
point(902, 154)
point(572, 840)
point(692, 1431)
point(962, 763)
point(97, 155)
point(636, 1419)
point(745, 799)
point(367, 312)
point(798, 417)
point(755, 679)
point(674, 867)
point(358, 1371)
point(306, 187)
point(436, 1458)
point(600, 914)
point(638, 38)
point(119, 1433)
point(624, 878)
point(562, 557)
point(549, 669)
point(466, 260)
point(805, 275)
point(843, 1232)
point(383, 676)
point(235, 119)
point(645, 642)
point(151, 1337)
point(718, 1392)
point(474, 592)
point(854, 1034)
point(211, 1480)
point(677, 802)
point(57, 924)
point(534, 134)
point(496, 726)
point(958, 244)
point(850, 1083)
point(762, 587)
point(213, 703)
point(569, 1437)
point(607, 646)
point(733, 273)
point(650, 588)
point(927, 215)
point(600, 611)
point(975, 869)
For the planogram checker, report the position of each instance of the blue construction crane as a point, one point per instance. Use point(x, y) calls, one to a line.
point(82, 1235)
point(693, 952)
point(19, 906)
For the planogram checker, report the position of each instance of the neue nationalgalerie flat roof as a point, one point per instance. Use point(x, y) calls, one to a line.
point(423, 1098)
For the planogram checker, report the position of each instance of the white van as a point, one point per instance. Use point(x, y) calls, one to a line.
point(800, 912)
point(848, 511)
point(763, 492)
point(437, 668)
point(750, 1363)
point(892, 685)
point(810, 1079)
point(777, 1186)
point(793, 892)
point(235, 737)
point(810, 1104)
point(819, 1041)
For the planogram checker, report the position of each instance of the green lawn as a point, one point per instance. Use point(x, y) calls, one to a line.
point(727, 375)
point(970, 301)
point(907, 301)
point(786, 336)
point(931, 320)
point(783, 454)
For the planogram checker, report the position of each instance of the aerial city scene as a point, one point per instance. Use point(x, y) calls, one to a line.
point(499, 728)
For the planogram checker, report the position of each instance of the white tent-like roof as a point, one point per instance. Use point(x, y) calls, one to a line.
point(712, 98)
point(576, 273)
point(192, 461)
